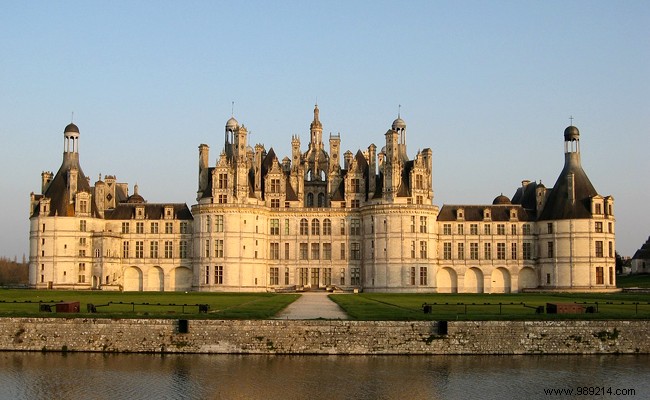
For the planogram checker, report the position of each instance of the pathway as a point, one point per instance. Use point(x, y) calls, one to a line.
point(312, 305)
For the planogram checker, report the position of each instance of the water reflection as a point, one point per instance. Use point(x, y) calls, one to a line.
point(111, 376)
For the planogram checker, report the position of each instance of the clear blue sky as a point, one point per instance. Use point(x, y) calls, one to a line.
point(488, 85)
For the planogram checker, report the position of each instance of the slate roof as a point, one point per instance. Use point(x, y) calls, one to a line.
point(526, 197)
point(498, 213)
point(644, 252)
point(151, 211)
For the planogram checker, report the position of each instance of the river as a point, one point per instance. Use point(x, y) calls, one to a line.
point(137, 376)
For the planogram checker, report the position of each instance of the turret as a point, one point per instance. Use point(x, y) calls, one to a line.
point(204, 157)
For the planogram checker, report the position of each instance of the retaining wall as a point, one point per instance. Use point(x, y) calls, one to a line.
point(324, 337)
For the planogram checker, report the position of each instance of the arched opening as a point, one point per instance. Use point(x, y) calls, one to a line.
point(155, 280)
point(527, 278)
point(181, 278)
point(500, 280)
point(473, 280)
point(321, 200)
point(133, 279)
point(310, 199)
point(447, 281)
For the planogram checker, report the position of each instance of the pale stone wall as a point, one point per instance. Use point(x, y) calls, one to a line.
point(325, 337)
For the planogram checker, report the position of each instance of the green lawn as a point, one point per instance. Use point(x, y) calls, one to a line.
point(221, 305)
point(638, 280)
point(398, 307)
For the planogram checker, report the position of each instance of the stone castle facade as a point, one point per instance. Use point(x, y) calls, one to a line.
point(312, 221)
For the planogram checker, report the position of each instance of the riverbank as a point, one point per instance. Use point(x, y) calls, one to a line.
point(324, 336)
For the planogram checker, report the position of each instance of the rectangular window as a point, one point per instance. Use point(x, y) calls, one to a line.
point(412, 224)
point(513, 229)
point(600, 277)
point(423, 224)
point(342, 251)
point(125, 227)
point(611, 275)
point(139, 249)
point(526, 229)
point(168, 248)
point(139, 227)
point(184, 227)
point(223, 181)
point(207, 247)
point(423, 276)
point(286, 226)
point(274, 276)
point(487, 229)
point(286, 251)
point(183, 249)
point(473, 229)
point(275, 186)
point(549, 227)
point(274, 249)
point(154, 227)
point(315, 251)
point(222, 199)
point(169, 227)
point(446, 250)
point(275, 203)
point(304, 227)
point(355, 276)
point(527, 251)
point(487, 251)
point(599, 208)
point(218, 275)
point(355, 227)
point(599, 248)
point(355, 203)
point(286, 276)
point(611, 250)
point(153, 249)
point(513, 252)
point(327, 276)
point(598, 227)
point(473, 251)
point(501, 251)
point(125, 249)
point(275, 226)
point(327, 251)
point(419, 182)
point(461, 229)
point(501, 229)
point(355, 185)
point(304, 275)
point(446, 229)
point(342, 276)
point(413, 250)
point(549, 249)
point(218, 223)
point(461, 251)
point(610, 227)
point(412, 276)
point(355, 251)
point(327, 227)
point(303, 251)
point(218, 248)
point(82, 225)
point(423, 249)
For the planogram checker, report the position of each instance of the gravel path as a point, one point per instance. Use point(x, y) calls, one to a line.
point(312, 305)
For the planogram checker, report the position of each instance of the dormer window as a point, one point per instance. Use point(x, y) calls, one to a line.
point(139, 212)
point(169, 212)
point(487, 214)
point(460, 214)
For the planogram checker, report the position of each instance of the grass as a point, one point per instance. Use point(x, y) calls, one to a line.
point(400, 307)
point(637, 280)
point(221, 305)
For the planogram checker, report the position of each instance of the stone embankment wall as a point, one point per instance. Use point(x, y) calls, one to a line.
point(324, 337)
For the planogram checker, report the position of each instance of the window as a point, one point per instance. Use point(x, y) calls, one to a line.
point(310, 199)
point(513, 229)
point(611, 275)
point(315, 251)
point(125, 227)
point(327, 227)
point(355, 251)
point(327, 251)
point(275, 186)
point(548, 279)
point(419, 182)
point(218, 248)
point(83, 206)
point(327, 276)
point(184, 225)
point(82, 267)
point(82, 241)
point(355, 276)
point(611, 250)
point(153, 249)
point(274, 276)
point(487, 229)
point(487, 251)
point(526, 229)
point(207, 247)
point(423, 249)
point(412, 276)
point(473, 229)
point(412, 224)
point(501, 229)
point(446, 229)
point(446, 250)
point(183, 249)
point(82, 253)
point(513, 252)
point(549, 227)
point(423, 224)
point(599, 248)
point(222, 199)
point(168, 248)
point(139, 249)
point(304, 226)
point(600, 276)
point(315, 227)
point(274, 249)
point(549, 249)
point(303, 251)
point(418, 200)
point(501, 251)
point(342, 251)
point(355, 185)
point(125, 249)
point(598, 227)
point(218, 223)
point(355, 203)
point(275, 226)
point(154, 227)
point(461, 251)
point(473, 251)
point(139, 227)
point(461, 229)
point(342, 276)
point(286, 251)
point(286, 276)
point(599, 208)
point(423, 276)
point(275, 203)
point(218, 275)
point(527, 250)
point(286, 226)
point(169, 227)
point(304, 275)
point(82, 225)
point(223, 181)
point(610, 227)
point(413, 251)
point(355, 227)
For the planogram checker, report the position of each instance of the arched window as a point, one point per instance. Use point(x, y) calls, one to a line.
point(327, 227)
point(304, 226)
point(315, 227)
point(310, 200)
point(321, 199)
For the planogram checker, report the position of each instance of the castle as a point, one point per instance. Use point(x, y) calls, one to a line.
point(310, 222)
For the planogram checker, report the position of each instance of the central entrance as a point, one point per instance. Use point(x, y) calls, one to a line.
point(315, 277)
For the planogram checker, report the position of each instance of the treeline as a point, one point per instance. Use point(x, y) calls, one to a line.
point(13, 272)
